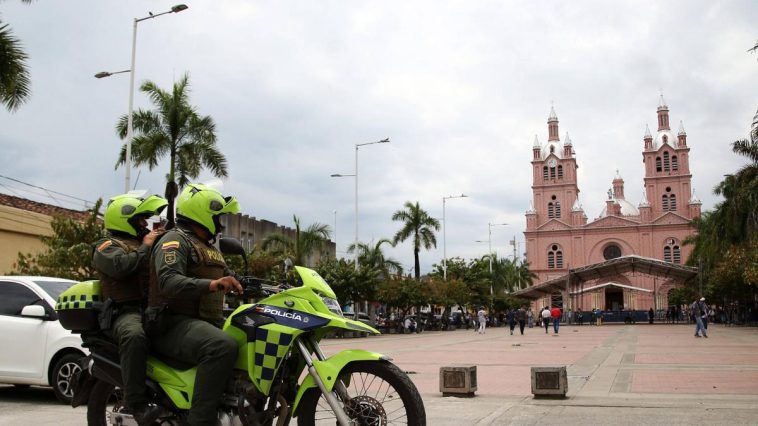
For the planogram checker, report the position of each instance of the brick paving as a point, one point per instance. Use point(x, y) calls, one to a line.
point(611, 360)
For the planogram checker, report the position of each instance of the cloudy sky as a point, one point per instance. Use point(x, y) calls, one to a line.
point(460, 88)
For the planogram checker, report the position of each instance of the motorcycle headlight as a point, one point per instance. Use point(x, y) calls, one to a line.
point(332, 305)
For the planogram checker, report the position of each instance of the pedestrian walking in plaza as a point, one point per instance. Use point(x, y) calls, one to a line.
point(521, 317)
point(699, 312)
point(599, 317)
point(482, 318)
point(650, 315)
point(510, 317)
point(580, 318)
point(530, 318)
point(555, 314)
point(545, 317)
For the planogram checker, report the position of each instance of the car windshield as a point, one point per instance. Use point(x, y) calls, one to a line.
point(54, 288)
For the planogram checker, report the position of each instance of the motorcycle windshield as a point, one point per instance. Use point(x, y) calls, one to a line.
point(313, 280)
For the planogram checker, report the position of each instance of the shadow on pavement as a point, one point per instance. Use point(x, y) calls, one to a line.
point(28, 394)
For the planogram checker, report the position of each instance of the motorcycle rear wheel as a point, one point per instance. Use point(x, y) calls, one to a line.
point(104, 397)
point(380, 395)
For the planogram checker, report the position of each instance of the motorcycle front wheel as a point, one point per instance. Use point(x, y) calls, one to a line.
point(380, 394)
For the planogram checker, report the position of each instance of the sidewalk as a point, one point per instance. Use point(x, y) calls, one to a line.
point(635, 375)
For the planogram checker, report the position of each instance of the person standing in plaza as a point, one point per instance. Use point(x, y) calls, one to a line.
point(481, 316)
point(510, 318)
point(521, 317)
point(555, 314)
point(650, 315)
point(699, 313)
point(545, 317)
point(530, 318)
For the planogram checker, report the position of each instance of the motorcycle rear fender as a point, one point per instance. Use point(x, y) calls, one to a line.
point(329, 369)
point(177, 384)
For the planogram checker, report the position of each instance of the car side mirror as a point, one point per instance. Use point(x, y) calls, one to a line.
point(34, 311)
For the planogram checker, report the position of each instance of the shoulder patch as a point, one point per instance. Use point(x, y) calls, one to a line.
point(170, 245)
point(169, 257)
point(104, 245)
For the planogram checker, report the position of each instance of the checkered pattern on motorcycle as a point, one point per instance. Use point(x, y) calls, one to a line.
point(270, 347)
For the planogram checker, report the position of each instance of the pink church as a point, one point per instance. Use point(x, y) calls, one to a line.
point(559, 236)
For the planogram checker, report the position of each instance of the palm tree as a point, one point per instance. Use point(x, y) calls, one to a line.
point(302, 246)
point(15, 83)
point(373, 256)
point(417, 224)
point(176, 130)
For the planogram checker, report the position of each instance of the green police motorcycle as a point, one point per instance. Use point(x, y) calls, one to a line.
point(280, 373)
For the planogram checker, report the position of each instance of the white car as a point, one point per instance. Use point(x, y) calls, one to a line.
point(34, 348)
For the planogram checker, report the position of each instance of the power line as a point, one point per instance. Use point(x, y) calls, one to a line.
point(48, 191)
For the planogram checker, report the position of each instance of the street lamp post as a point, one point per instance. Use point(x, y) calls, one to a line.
point(358, 145)
point(127, 161)
point(444, 234)
point(489, 242)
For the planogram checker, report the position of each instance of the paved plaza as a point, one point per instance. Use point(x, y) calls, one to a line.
point(617, 374)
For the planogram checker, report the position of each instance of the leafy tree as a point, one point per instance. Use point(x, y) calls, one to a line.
point(448, 293)
point(69, 249)
point(173, 129)
point(403, 294)
point(725, 243)
point(15, 83)
point(418, 225)
point(374, 256)
point(302, 246)
point(350, 285)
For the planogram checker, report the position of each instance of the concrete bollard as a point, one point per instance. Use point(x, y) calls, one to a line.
point(458, 380)
point(549, 382)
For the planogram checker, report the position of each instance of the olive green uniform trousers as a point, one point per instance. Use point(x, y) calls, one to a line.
point(132, 349)
point(200, 343)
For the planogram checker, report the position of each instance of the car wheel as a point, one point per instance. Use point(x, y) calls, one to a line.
point(63, 372)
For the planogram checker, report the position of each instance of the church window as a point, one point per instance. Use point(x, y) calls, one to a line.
point(552, 173)
point(674, 163)
point(672, 252)
point(560, 172)
point(658, 167)
point(665, 203)
point(672, 202)
point(611, 252)
point(550, 211)
point(544, 173)
point(557, 209)
point(665, 139)
point(555, 257)
point(552, 149)
point(666, 166)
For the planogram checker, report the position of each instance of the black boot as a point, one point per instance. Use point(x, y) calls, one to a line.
point(146, 414)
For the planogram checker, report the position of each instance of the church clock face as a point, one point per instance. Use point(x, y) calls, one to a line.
point(552, 162)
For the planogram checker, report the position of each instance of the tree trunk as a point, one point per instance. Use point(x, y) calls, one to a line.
point(172, 190)
point(416, 265)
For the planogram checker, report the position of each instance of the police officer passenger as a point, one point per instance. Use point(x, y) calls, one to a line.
point(122, 263)
point(190, 280)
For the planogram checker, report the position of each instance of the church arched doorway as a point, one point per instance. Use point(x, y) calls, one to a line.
point(614, 298)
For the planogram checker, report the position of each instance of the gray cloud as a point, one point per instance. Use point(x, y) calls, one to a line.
point(461, 88)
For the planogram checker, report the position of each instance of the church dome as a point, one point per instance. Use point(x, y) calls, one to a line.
point(627, 208)
point(668, 136)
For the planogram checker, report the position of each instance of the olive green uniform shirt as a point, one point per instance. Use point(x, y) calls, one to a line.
point(114, 261)
point(172, 257)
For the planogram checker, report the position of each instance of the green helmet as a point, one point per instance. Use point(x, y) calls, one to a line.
point(203, 205)
point(124, 211)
